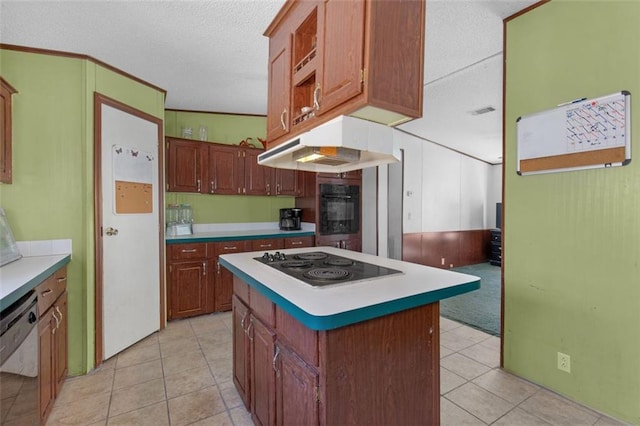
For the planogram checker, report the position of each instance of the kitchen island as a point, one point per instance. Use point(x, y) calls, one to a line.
point(365, 352)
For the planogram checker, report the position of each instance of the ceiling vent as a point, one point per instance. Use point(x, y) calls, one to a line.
point(483, 110)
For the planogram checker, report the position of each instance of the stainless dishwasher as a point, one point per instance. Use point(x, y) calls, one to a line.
point(19, 364)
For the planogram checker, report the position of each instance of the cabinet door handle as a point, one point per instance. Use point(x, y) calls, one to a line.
point(296, 243)
point(212, 184)
point(199, 184)
point(275, 359)
point(188, 250)
point(268, 189)
point(59, 313)
point(230, 248)
point(57, 322)
point(249, 330)
point(338, 244)
point(46, 292)
point(265, 245)
point(316, 96)
point(218, 267)
point(244, 318)
point(204, 268)
point(63, 279)
point(278, 189)
point(282, 115)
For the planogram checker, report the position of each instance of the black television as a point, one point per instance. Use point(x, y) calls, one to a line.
point(499, 215)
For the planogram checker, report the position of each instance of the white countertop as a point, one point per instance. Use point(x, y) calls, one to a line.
point(418, 285)
point(17, 278)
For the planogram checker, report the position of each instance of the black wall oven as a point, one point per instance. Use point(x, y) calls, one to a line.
point(339, 209)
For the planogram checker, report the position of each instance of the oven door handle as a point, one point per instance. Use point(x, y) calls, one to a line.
point(344, 197)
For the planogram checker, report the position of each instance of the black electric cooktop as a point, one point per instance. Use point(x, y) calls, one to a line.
point(321, 269)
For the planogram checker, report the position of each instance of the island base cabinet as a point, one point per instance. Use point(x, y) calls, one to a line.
point(262, 373)
point(297, 391)
point(241, 350)
point(383, 370)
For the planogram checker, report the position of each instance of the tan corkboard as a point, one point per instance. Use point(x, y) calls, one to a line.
point(133, 197)
point(574, 160)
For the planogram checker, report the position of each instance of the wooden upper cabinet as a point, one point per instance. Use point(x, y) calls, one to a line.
point(213, 168)
point(341, 36)
point(185, 165)
point(287, 182)
point(6, 133)
point(225, 170)
point(360, 57)
point(278, 108)
point(394, 71)
point(257, 179)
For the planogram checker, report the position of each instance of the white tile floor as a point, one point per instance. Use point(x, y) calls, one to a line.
point(183, 375)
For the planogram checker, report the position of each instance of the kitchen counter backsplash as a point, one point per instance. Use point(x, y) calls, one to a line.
point(207, 228)
point(44, 247)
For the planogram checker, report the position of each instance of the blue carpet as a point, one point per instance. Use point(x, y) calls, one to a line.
point(480, 308)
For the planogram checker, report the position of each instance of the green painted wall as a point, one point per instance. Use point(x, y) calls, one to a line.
point(51, 195)
point(572, 239)
point(221, 128)
point(228, 129)
point(48, 196)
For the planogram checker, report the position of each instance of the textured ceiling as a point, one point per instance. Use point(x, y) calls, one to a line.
point(211, 55)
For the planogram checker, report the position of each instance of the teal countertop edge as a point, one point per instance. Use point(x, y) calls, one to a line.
point(211, 239)
point(330, 322)
point(32, 283)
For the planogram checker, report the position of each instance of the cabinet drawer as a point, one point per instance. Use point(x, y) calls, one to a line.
point(225, 247)
point(267, 244)
point(188, 251)
point(241, 289)
point(297, 242)
point(262, 307)
point(302, 339)
point(51, 289)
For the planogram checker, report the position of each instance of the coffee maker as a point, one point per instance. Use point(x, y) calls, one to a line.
point(290, 219)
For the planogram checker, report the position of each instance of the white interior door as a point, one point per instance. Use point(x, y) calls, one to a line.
point(130, 240)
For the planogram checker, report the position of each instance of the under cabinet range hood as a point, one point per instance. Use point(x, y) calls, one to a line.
point(340, 145)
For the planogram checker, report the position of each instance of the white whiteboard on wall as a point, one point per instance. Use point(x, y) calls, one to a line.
point(583, 134)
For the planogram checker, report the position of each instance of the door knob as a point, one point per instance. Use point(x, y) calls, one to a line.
point(111, 231)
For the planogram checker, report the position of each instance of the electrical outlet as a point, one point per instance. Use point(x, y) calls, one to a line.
point(564, 362)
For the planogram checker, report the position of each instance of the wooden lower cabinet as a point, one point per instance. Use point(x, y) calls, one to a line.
point(61, 347)
point(46, 339)
point(52, 340)
point(297, 391)
point(262, 373)
point(380, 371)
point(241, 350)
point(347, 242)
point(298, 242)
point(223, 285)
point(196, 282)
point(267, 244)
point(190, 289)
